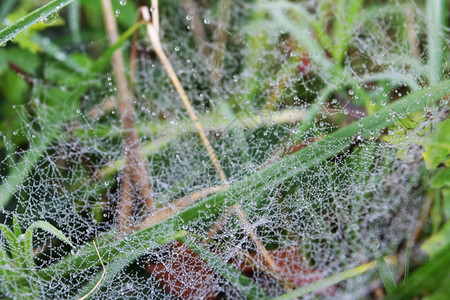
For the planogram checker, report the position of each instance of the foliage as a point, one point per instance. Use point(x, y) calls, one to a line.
point(328, 118)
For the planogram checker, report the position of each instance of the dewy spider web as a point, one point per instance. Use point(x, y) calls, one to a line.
point(317, 217)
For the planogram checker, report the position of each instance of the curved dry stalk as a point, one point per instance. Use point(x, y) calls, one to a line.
point(101, 277)
point(255, 238)
point(198, 30)
point(157, 47)
point(135, 171)
point(176, 206)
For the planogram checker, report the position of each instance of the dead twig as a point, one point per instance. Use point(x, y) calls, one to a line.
point(178, 205)
point(220, 41)
point(135, 175)
point(152, 25)
point(197, 27)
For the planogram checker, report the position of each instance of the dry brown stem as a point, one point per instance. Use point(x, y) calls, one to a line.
point(197, 27)
point(220, 41)
point(178, 205)
point(157, 47)
point(411, 34)
point(135, 173)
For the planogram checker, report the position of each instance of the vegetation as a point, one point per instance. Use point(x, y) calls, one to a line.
point(308, 156)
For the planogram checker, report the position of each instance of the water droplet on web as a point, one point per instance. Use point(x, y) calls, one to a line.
point(117, 12)
point(188, 17)
point(383, 103)
point(351, 92)
point(177, 49)
point(377, 115)
point(15, 132)
point(123, 2)
point(372, 103)
point(207, 21)
point(50, 19)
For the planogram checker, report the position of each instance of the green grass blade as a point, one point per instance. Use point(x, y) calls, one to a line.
point(347, 12)
point(428, 278)
point(242, 283)
point(42, 12)
point(53, 230)
point(5, 7)
point(408, 249)
point(104, 60)
point(20, 172)
point(324, 283)
point(124, 260)
point(57, 53)
point(385, 272)
point(436, 15)
point(74, 21)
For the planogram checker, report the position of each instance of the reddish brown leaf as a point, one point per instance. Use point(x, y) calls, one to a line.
point(185, 274)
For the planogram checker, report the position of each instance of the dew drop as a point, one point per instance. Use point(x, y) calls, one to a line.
point(123, 2)
point(117, 12)
point(50, 19)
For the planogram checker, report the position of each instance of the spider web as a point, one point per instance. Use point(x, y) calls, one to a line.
point(321, 221)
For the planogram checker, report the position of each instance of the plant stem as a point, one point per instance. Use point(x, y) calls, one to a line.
point(135, 174)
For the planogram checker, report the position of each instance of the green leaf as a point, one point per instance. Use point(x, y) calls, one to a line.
point(436, 15)
point(51, 229)
point(12, 242)
point(37, 15)
point(437, 145)
point(16, 226)
point(385, 272)
point(441, 179)
point(430, 277)
point(408, 250)
point(437, 241)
